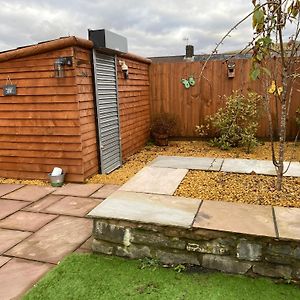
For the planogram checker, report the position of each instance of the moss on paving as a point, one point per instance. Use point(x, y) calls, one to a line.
point(87, 276)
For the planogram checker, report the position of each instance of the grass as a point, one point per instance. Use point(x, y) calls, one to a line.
point(88, 276)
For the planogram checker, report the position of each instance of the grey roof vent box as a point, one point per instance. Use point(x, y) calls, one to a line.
point(108, 41)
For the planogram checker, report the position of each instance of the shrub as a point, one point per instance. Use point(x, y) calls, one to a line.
point(163, 123)
point(236, 124)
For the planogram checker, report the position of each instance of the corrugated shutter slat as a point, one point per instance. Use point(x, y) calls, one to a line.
point(107, 112)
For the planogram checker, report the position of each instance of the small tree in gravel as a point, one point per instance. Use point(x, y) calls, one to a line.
point(274, 61)
point(275, 53)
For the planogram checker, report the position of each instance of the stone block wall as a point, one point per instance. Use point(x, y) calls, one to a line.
point(223, 251)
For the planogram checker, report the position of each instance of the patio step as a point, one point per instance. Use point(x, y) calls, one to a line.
point(230, 237)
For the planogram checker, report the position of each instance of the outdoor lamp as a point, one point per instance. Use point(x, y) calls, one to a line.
point(59, 66)
point(124, 68)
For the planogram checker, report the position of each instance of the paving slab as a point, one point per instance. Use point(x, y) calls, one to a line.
point(262, 167)
point(293, 169)
point(9, 238)
point(30, 193)
point(4, 260)
point(191, 163)
point(42, 204)
point(8, 207)
point(155, 180)
point(56, 239)
point(235, 217)
point(73, 206)
point(105, 191)
point(288, 222)
point(78, 190)
point(26, 221)
point(18, 275)
point(148, 208)
point(247, 166)
point(8, 188)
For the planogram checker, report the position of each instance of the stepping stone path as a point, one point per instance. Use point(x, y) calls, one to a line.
point(261, 167)
point(192, 163)
point(39, 226)
point(230, 165)
point(162, 181)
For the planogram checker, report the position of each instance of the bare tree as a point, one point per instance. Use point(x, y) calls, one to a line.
point(274, 60)
point(275, 52)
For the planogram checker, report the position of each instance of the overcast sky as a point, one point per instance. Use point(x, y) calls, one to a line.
point(153, 28)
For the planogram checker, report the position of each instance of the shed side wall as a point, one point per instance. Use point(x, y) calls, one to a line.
point(134, 105)
point(40, 126)
point(86, 102)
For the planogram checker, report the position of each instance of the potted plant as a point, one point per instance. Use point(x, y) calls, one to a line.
point(163, 125)
point(57, 177)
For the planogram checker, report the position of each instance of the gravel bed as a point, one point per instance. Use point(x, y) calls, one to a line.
point(186, 148)
point(251, 189)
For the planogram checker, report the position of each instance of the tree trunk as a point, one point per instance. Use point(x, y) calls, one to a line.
point(282, 133)
point(282, 138)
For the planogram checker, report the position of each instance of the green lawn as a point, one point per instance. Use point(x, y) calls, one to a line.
point(87, 276)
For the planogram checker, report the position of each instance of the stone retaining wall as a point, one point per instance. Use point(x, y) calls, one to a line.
point(223, 251)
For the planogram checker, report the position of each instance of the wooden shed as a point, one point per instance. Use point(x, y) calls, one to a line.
point(49, 119)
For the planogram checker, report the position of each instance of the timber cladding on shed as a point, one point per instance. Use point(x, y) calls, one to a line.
point(51, 121)
point(134, 103)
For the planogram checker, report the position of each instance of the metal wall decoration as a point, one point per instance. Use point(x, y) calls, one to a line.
point(9, 89)
point(188, 82)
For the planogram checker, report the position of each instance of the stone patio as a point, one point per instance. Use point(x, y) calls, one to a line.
point(39, 226)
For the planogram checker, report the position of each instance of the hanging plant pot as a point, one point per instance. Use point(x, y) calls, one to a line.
point(161, 139)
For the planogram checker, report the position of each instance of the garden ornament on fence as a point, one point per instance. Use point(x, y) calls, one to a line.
point(230, 69)
point(188, 82)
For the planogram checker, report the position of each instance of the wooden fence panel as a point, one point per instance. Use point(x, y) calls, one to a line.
point(193, 105)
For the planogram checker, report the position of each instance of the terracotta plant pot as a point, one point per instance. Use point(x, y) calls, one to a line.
point(161, 139)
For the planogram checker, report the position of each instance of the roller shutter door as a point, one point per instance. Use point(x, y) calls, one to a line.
point(107, 111)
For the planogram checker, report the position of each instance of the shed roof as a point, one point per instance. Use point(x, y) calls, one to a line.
point(44, 47)
point(57, 44)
